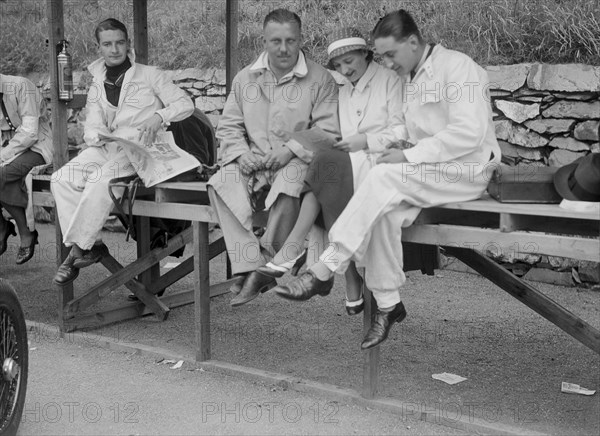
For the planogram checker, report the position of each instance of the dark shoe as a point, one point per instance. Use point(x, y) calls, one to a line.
point(382, 324)
point(255, 284)
point(236, 287)
point(67, 272)
point(89, 257)
point(10, 230)
point(355, 309)
point(304, 287)
point(26, 253)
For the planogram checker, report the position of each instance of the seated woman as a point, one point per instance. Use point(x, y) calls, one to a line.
point(370, 111)
point(26, 143)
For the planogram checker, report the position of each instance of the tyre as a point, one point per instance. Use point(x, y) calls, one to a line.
point(14, 358)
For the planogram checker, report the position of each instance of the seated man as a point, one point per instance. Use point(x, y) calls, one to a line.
point(280, 93)
point(123, 94)
point(26, 143)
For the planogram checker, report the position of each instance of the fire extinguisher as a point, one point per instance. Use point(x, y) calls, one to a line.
point(65, 73)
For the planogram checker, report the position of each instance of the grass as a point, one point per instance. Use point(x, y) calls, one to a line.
point(191, 33)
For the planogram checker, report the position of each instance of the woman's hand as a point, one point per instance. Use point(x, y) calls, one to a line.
point(352, 143)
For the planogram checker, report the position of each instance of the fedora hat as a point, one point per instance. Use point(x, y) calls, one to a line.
point(580, 180)
point(344, 40)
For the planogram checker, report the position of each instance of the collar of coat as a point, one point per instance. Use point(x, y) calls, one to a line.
point(98, 67)
point(300, 69)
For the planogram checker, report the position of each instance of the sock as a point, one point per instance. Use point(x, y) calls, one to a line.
point(321, 271)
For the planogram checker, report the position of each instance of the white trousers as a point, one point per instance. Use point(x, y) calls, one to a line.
point(80, 190)
point(391, 197)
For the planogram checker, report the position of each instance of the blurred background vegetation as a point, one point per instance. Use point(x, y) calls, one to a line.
point(191, 33)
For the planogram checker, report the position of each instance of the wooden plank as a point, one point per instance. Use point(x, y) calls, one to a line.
point(140, 290)
point(108, 285)
point(232, 17)
point(558, 226)
point(181, 196)
point(201, 290)
point(531, 297)
point(140, 30)
point(370, 356)
point(182, 186)
point(190, 212)
point(487, 204)
point(131, 310)
point(493, 240)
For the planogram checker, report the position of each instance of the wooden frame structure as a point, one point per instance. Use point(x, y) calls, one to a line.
point(486, 222)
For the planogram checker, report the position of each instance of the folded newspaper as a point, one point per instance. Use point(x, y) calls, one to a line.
point(155, 163)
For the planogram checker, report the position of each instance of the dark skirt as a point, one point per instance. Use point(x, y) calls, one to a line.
point(13, 191)
point(331, 179)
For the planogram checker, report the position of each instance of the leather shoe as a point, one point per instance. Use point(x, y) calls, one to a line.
point(236, 287)
point(26, 253)
point(89, 257)
point(67, 272)
point(255, 284)
point(9, 230)
point(357, 307)
point(304, 287)
point(382, 324)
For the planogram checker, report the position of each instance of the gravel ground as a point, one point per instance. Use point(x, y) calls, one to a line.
point(513, 359)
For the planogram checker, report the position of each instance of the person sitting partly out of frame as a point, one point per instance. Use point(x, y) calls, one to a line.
point(26, 143)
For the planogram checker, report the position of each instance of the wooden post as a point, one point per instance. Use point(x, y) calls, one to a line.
point(370, 356)
point(201, 290)
point(140, 30)
point(54, 12)
point(231, 41)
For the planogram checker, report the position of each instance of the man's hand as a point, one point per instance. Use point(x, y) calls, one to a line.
point(277, 159)
point(352, 143)
point(148, 130)
point(249, 163)
point(392, 155)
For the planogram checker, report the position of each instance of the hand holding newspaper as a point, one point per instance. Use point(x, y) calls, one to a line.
point(155, 163)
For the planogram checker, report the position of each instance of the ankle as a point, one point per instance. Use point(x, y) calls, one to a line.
point(321, 271)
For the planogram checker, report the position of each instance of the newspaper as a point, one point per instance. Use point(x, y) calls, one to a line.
point(155, 163)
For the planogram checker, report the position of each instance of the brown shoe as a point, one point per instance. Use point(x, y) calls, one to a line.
point(255, 284)
point(66, 272)
point(236, 286)
point(382, 324)
point(89, 257)
point(304, 287)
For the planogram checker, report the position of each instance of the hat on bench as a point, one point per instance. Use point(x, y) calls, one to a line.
point(580, 180)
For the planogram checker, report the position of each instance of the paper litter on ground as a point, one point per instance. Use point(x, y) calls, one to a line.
point(177, 365)
point(446, 377)
point(572, 388)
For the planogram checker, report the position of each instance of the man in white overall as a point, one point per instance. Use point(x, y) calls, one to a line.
point(123, 93)
point(449, 121)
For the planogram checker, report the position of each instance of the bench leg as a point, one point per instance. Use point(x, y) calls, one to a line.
point(65, 293)
point(370, 356)
point(201, 290)
point(528, 295)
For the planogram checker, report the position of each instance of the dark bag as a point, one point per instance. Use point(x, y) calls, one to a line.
point(524, 184)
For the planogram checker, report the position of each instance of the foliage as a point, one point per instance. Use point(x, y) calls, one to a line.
point(191, 33)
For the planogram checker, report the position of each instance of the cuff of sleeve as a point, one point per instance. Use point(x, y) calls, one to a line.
point(160, 113)
point(375, 142)
point(401, 133)
point(300, 152)
point(414, 155)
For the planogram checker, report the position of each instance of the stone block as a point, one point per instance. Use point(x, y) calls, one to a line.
point(508, 77)
point(569, 144)
point(194, 92)
point(518, 135)
point(530, 99)
point(216, 90)
point(220, 77)
point(511, 150)
point(559, 158)
point(562, 263)
point(567, 77)
point(589, 272)
point(587, 131)
point(551, 126)
point(189, 74)
point(518, 112)
point(210, 104)
point(595, 148)
point(573, 109)
point(200, 84)
point(549, 276)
